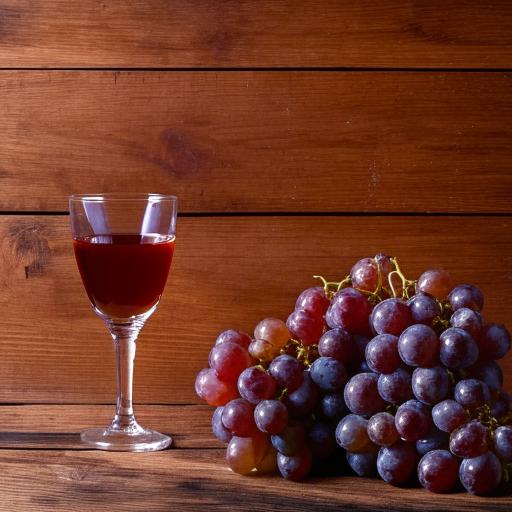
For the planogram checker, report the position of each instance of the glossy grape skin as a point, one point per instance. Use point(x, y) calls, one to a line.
point(381, 429)
point(395, 387)
point(412, 420)
point(314, 301)
point(274, 331)
point(362, 396)
point(480, 475)
point(418, 345)
point(470, 440)
point(268, 464)
point(291, 439)
point(218, 429)
point(328, 374)
point(365, 273)
point(238, 417)
point(287, 372)
point(469, 320)
point(271, 416)
point(430, 385)
point(488, 372)
point(303, 400)
point(503, 443)
point(295, 467)
point(352, 434)
point(448, 415)
point(438, 471)
point(233, 336)
point(436, 282)
point(229, 360)
point(457, 349)
point(397, 464)
point(494, 341)
point(471, 393)
point(213, 390)
point(333, 406)
point(424, 309)
point(243, 454)
point(262, 350)
point(305, 326)
point(349, 310)
point(466, 296)
point(255, 385)
point(336, 343)
point(363, 464)
point(321, 440)
point(382, 354)
point(435, 439)
point(391, 316)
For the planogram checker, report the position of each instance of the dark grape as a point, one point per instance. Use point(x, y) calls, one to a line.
point(466, 296)
point(502, 405)
point(218, 429)
point(291, 439)
point(352, 434)
point(333, 406)
point(435, 439)
point(336, 343)
point(363, 464)
point(381, 429)
point(503, 443)
point(229, 360)
point(233, 336)
point(321, 440)
point(305, 326)
point(362, 396)
point(349, 310)
point(213, 390)
point(287, 372)
point(472, 393)
point(271, 416)
point(295, 467)
point(382, 353)
point(438, 471)
point(436, 282)
point(488, 372)
point(449, 415)
point(431, 385)
point(418, 345)
point(238, 417)
point(314, 301)
point(470, 440)
point(494, 341)
point(255, 385)
point(412, 420)
point(391, 316)
point(328, 374)
point(482, 474)
point(424, 309)
point(397, 464)
point(395, 387)
point(458, 349)
point(303, 400)
point(469, 320)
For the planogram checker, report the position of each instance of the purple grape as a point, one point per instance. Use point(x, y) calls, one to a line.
point(349, 310)
point(305, 326)
point(291, 439)
point(287, 372)
point(271, 416)
point(469, 320)
point(391, 316)
point(424, 309)
point(488, 372)
point(397, 464)
point(360, 343)
point(466, 296)
point(503, 443)
point(336, 343)
point(494, 341)
point(321, 440)
point(418, 345)
point(472, 393)
point(333, 406)
point(363, 464)
point(352, 434)
point(295, 467)
point(362, 396)
point(328, 374)
point(314, 301)
point(238, 417)
point(430, 385)
point(303, 400)
point(502, 405)
point(482, 474)
point(218, 429)
point(255, 385)
point(434, 440)
point(395, 387)
point(470, 440)
point(412, 420)
point(381, 429)
point(438, 471)
point(382, 354)
point(458, 348)
point(233, 336)
point(449, 415)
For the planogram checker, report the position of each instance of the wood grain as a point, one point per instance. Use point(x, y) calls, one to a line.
point(208, 33)
point(247, 141)
point(227, 272)
point(191, 480)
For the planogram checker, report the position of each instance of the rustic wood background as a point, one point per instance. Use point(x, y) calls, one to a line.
point(299, 136)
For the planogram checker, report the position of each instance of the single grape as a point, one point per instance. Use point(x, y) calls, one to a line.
point(488, 372)
point(458, 349)
point(396, 464)
point(503, 443)
point(271, 416)
point(365, 275)
point(466, 296)
point(233, 336)
point(482, 474)
point(470, 440)
point(349, 310)
point(328, 374)
point(363, 464)
point(218, 429)
point(430, 385)
point(321, 440)
point(494, 341)
point(448, 415)
point(291, 439)
point(435, 439)
point(268, 463)
point(243, 454)
point(212, 390)
point(255, 385)
point(336, 343)
point(362, 396)
point(287, 372)
point(382, 353)
point(352, 434)
point(333, 406)
point(418, 345)
point(412, 420)
point(469, 320)
point(395, 387)
point(263, 350)
point(295, 467)
point(305, 326)
point(303, 400)
point(314, 301)
point(391, 316)
point(472, 393)
point(438, 471)
point(381, 429)
point(424, 309)
point(229, 360)
point(436, 282)
point(238, 417)
point(274, 331)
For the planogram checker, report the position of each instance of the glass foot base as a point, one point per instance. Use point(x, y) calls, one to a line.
point(140, 440)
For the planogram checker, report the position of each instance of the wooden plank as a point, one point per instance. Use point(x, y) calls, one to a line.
point(227, 272)
point(156, 33)
point(190, 480)
point(246, 141)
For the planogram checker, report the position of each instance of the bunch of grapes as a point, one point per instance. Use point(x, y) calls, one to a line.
point(399, 375)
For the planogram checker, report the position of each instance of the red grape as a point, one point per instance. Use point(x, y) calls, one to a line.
point(436, 283)
point(229, 360)
point(213, 390)
point(233, 336)
point(314, 301)
point(238, 417)
point(255, 385)
point(271, 416)
point(349, 310)
point(305, 326)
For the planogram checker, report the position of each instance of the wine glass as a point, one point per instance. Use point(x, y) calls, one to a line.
point(124, 245)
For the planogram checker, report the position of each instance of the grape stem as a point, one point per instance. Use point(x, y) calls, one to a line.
point(406, 283)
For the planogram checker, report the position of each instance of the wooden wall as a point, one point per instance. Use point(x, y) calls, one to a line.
point(299, 136)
